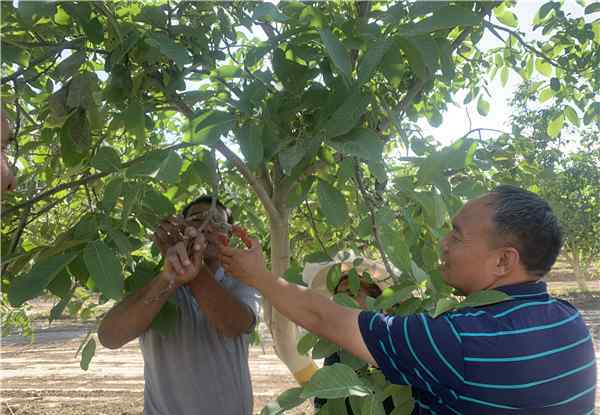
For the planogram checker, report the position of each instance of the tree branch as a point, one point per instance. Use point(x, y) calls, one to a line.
point(84, 180)
point(376, 235)
point(314, 226)
point(35, 62)
point(254, 182)
point(530, 48)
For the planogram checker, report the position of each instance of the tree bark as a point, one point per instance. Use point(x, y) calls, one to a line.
point(580, 273)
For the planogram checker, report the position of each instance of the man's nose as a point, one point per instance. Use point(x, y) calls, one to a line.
point(8, 179)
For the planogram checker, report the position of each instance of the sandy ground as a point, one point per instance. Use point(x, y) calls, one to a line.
point(44, 377)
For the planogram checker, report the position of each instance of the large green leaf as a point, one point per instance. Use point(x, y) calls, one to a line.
point(112, 192)
point(333, 204)
point(572, 116)
point(372, 58)
point(555, 125)
point(336, 381)
point(35, 281)
point(396, 248)
point(483, 107)
point(69, 66)
point(170, 48)
point(160, 164)
point(106, 159)
point(484, 297)
point(269, 12)
point(337, 52)
point(543, 67)
point(445, 18)
point(104, 268)
point(360, 142)
point(347, 116)
point(251, 144)
point(289, 399)
point(211, 125)
point(135, 120)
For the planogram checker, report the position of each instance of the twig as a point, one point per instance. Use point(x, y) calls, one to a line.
point(367, 201)
point(539, 53)
point(86, 179)
point(17, 237)
point(35, 62)
point(314, 226)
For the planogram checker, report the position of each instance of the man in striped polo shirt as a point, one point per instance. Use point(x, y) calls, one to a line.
point(531, 354)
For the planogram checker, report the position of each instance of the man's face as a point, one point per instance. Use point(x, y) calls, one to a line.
point(468, 254)
point(9, 182)
point(220, 217)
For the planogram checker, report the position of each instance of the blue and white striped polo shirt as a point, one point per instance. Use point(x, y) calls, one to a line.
point(530, 355)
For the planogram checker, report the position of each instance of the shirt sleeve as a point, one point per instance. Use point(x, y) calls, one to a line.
point(414, 350)
point(248, 296)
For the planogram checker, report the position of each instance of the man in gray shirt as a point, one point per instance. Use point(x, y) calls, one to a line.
point(201, 367)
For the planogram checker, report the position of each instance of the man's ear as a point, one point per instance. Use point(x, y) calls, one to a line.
point(508, 260)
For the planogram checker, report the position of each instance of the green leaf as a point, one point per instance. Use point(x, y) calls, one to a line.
point(337, 52)
point(268, 12)
point(346, 301)
point(112, 192)
point(94, 30)
point(506, 17)
point(555, 125)
point(160, 164)
point(445, 18)
point(170, 49)
point(332, 203)
point(546, 95)
point(251, 144)
point(289, 399)
point(360, 142)
point(396, 248)
point(106, 159)
point(347, 116)
point(483, 107)
point(334, 275)
point(324, 348)
point(134, 120)
point(543, 67)
point(594, 7)
point(504, 75)
point(485, 297)
point(157, 203)
point(104, 268)
point(394, 295)
point(211, 125)
point(61, 284)
point(306, 343)
point(59, 308)
point(417, 273)
point(555, 84)
point(371, 60)
point(32, 11)
point(290, 156)
point(443, 305)
point(169, 168)
point(572, 116)
point(545, 9)
point(88, 352)
point(336, 381)
point(372, 405)
point(35, 281)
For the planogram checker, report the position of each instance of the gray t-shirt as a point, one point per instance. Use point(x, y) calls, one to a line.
point(195, 370)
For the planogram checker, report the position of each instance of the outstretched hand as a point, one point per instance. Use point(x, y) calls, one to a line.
point(247, 265)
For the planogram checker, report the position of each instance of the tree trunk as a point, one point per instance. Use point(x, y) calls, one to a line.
point(285, 333)
point(580, 273)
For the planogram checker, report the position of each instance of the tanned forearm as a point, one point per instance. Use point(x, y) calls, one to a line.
point(133, 316)
point(226, 313)
point(316, 313)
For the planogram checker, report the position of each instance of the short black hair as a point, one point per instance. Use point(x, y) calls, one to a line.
point(528, 223)
point(207, 200)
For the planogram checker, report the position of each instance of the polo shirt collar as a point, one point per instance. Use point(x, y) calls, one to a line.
point(527, 289)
